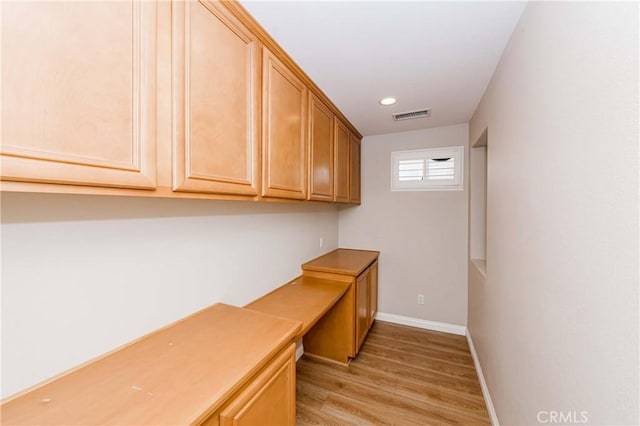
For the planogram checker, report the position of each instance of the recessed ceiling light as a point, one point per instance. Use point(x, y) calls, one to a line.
point(388, 101)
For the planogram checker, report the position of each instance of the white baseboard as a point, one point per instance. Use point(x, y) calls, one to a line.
point(483, 383)
point(420, 323)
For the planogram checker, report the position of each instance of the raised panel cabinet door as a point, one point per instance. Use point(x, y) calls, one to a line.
point(354, 174)
point(320, 151)
point(216, 100)
point(373, 293)
point(270, 399)
point(341, 161)
point(284, 141)
point(79, 93)
point(362, 307)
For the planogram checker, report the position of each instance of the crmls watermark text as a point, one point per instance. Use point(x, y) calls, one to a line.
point(562, 417)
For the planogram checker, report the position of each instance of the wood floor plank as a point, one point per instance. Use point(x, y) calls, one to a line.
point(423, 363)
point(377, 402)
point(402, 332)
point(435, 349)
point(400, 397)
point(314, 416)
point(402, 376)
point(403, 372)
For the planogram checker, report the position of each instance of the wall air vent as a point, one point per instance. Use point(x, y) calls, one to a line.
point(412, 114)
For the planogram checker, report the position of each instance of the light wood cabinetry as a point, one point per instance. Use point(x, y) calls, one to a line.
point(321, 147)
point(78, 93)
point(215, 102)
point(164, 99)
point(270, 399)
point(354, 171)
point(222, 365)
point(355, 312)
point(373, 292)
point(304, 299)
point(284, 140)
point(342, 162)
point(367, 301)
point(363, 294)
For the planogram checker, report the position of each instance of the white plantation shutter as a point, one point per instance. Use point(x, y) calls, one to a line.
point(441, 168)
point(427, 169)
point(411, 170)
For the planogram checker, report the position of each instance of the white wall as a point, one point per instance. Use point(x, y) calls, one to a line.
point(422, 236)
point(556, 323)
point(82, 275)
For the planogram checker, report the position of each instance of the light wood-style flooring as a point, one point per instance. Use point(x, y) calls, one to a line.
point(402, 376)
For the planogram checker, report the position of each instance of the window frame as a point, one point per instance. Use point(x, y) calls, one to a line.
point(457, 184)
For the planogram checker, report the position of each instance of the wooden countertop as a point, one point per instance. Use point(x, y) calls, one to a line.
point(342, 261)
point(180, 374)
point(303, 299)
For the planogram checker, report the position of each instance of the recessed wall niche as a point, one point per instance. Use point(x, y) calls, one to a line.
point(478, 203)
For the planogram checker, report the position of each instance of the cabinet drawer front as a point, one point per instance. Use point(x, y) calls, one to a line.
point(215, 100)
point(284, 143)
point(270, 399)
point(79, 100)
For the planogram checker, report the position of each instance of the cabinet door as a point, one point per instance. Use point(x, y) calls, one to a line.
point(215, 100)
point(284, 142)
point(362, 307)
point(373, 293)
point(342, 161)
point(270, 399)
point(79, 93)
point(321, 151)
point(354, 175)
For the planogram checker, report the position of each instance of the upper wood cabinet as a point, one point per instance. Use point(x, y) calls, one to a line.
point(284, 141)
point(216, 100)
point(342, 165)
point(179, 99)
point(321, 146)
point(78, 93)
point(354, 174)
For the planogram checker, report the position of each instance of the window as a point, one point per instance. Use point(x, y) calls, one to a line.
point(427, 169)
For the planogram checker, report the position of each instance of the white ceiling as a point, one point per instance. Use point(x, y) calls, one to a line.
point(437, 55)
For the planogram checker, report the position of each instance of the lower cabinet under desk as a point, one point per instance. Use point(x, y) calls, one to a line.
point(355, 313)
point(220, 366)
point(336, 300)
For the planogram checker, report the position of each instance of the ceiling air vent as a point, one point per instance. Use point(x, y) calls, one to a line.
point(411, 115)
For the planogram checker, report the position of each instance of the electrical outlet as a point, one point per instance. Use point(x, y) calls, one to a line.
point(321, 242)
point(421, 299)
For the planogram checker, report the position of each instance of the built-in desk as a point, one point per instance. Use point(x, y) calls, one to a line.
point(219, 366)
point(304, 299)
point(340, 335)
point(341, 261)
point(335, 299)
